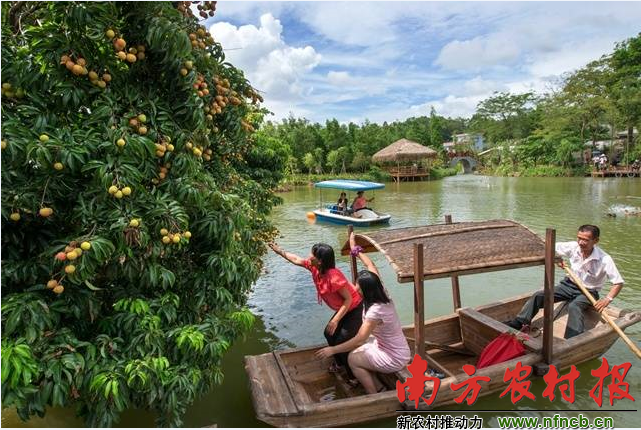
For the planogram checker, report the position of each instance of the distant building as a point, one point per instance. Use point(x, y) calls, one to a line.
point(474, 140)
point(624, 134)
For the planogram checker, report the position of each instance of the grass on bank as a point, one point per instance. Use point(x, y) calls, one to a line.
point(545, 170)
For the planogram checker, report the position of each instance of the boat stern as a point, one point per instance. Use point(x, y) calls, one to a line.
point(270, 394)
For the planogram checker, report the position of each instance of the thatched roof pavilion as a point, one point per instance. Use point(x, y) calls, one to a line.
point(403, 150)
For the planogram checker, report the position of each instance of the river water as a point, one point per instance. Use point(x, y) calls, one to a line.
point(285, 300)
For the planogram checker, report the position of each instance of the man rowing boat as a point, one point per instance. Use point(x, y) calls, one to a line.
point(592, 265)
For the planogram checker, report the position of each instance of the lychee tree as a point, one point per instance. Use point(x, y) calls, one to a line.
point(134, 203)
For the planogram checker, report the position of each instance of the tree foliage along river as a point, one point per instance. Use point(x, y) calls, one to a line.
point(134, 197)
point(536, 130)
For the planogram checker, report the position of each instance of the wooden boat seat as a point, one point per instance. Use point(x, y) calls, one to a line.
point(477, 330)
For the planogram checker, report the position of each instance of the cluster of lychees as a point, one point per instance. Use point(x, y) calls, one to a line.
point(132, 54)
point(205, 8)
point(71, 253)
point(119, 193)
point(164, 146)
point(137, 123)
point(168, 238)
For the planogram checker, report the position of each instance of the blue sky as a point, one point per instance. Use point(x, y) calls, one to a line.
point(386, 61)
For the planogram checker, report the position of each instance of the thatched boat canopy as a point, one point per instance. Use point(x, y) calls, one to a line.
point(456, 249)
point(403, 150)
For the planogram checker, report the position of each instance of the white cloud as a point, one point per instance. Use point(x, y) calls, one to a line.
point(360, 24)
point(271, 65)
point(339, 79)
point(479, 52)
point(570, 56)
point(451, 106)
point(480, 86)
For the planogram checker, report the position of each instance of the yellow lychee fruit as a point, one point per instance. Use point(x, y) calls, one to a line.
point(120, 44)
point(69, 269)
point(134, 223)
point(15, 216)
point(121, 142)
point(44, 138)
point(58, 289)
point(163, 232)
point(126, 191)
point(110, 34)
point(58, 166)
point(85, 246)
point(71, 255)
point(45, 212)
point(187, 234)
point(166, 239)
point(118, 194)
point(51, 284)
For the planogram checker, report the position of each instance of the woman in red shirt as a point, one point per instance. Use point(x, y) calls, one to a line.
point(337, 292)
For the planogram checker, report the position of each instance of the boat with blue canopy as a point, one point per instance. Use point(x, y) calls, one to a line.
point(363, 217)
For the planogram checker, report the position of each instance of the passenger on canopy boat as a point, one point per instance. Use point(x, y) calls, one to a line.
point(380, 345)
point(360, 203)
point(342, 203)
point(337, 292)
point(592, 266)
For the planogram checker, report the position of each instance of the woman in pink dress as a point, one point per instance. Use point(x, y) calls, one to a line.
point(379, 345)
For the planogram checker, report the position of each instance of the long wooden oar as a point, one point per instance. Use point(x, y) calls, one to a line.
point(604, 315)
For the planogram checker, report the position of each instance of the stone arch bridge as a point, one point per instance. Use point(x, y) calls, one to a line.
point(469, 163)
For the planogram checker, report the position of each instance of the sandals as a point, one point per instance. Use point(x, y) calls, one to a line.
point(353, 382)
point(334, 367)
point(435, 374)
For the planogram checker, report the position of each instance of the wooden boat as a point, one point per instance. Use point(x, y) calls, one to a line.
point(331, 213)
point(292, 388)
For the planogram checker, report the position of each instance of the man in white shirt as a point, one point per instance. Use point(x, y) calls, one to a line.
point(592, 266)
